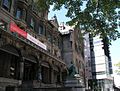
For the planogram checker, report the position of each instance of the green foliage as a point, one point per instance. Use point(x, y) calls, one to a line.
point(118, 70)
point(98, 17)
point(41, 5)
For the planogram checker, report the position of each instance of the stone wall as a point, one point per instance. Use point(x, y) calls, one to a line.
point(5, 82)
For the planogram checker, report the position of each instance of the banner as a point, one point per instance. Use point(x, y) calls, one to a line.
point(35, 41)
point(15, 28)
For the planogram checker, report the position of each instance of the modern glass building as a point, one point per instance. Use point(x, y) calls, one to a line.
point(101, 65)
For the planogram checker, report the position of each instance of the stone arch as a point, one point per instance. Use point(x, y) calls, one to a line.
point(31, 67)
point(45, 72)
point(46, 64)
point(56, 67)
point(56, 74)
point(10, 57)
point(64, 74)
point(31, 57)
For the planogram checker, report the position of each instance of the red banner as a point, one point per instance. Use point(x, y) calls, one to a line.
point(15, 28)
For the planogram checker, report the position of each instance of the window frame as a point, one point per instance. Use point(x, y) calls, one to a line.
point(32, 23)
point(21, 13)
point(8, 6)
point(41, 30)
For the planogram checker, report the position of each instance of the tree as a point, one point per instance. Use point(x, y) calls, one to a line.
point(118, 70)
point(98, 17)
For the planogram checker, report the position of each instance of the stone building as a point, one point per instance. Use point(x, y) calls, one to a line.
point(73, 54)
point(30, 47)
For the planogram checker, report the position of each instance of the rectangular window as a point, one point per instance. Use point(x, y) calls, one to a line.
point(100, 73)
point(110, 71)
point(32, 23)
point(6, 4)
point(40, 30)
point(19, 13)
point(89, 63)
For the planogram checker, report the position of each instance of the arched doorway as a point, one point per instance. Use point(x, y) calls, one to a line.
point(64, 74)
point(56, 74)
point(30, 68)
point(45, 73)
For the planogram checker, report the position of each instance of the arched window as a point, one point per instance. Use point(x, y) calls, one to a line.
point(6, 4)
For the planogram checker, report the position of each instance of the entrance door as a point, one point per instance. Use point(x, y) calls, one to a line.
point(29, 71)
point(46, 75)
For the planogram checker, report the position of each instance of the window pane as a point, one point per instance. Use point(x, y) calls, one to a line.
point(18, 13)
point(32, 23)
point(6, 4)
point(40, 29)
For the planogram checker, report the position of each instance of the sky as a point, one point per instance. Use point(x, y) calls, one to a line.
point(114, 48)
point(115, 56)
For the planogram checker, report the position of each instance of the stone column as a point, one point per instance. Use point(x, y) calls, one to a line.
point(21, 70)
point(39, 76)
point(52, 75)
point(60, 76)
point(38, 81)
